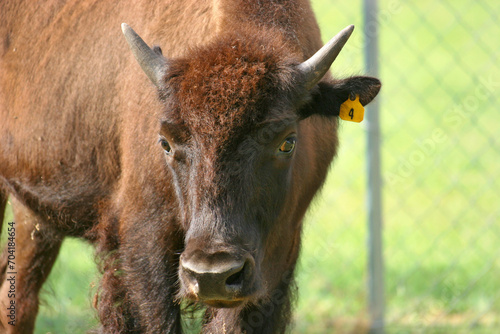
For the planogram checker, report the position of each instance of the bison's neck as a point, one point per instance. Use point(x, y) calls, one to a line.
point(293, 19)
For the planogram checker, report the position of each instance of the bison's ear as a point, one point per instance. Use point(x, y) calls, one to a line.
point(328, 96)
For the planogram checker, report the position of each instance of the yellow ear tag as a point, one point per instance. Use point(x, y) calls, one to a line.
point(352, 110)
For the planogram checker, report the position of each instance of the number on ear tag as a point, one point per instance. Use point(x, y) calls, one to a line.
point(352, 110)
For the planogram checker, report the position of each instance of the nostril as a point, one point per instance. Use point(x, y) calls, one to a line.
point(236, 279)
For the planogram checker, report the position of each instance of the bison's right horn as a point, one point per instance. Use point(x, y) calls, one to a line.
point(152, 63)
point(316, 67)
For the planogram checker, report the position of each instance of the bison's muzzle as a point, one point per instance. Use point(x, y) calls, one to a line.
point(219, 279)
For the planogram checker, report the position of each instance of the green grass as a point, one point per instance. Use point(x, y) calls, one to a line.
point(69, 292)
point(441, 194)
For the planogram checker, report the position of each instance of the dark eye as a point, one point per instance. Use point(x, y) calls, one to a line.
point(165, 145)
point(288, 145)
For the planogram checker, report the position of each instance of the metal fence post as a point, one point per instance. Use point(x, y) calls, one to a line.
point(376, 289)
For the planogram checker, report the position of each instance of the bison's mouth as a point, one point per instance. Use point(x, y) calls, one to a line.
point(214, 302)
point(217, 301)
point(224, 303)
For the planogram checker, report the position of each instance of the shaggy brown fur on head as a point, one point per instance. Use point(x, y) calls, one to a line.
point(225, 89)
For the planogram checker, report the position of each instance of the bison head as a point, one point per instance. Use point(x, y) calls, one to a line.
point(247, 133)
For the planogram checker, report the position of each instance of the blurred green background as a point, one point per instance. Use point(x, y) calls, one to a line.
point(439, 64)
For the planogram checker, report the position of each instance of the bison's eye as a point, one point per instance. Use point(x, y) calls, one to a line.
point(165, 145)
point(288, 145)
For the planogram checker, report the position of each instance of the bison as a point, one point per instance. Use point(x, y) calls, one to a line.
point(193, 180)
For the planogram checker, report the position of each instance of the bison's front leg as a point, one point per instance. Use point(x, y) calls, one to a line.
point(150, 277)
point(34, 250)
point(142, 285)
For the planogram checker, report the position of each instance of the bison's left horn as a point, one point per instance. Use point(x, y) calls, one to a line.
point(316, 67)
point(152, 63)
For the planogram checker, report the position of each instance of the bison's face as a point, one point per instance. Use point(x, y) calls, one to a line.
point(234, 146)
point(230, 137)
point(233, 197)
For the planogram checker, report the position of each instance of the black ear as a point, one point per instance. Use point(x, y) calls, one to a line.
point(328, 96)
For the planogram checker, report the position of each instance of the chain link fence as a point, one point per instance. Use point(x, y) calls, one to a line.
point(440, 124)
